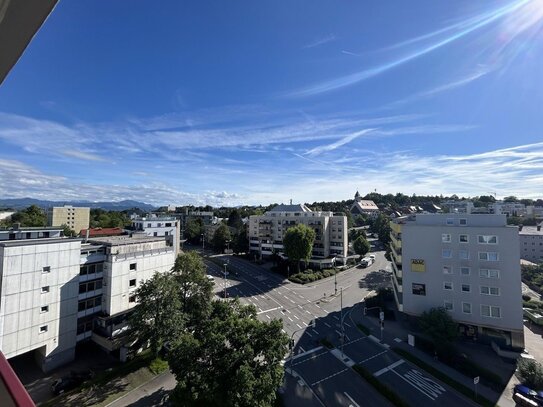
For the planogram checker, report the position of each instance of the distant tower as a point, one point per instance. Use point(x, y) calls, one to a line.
point(357, 197)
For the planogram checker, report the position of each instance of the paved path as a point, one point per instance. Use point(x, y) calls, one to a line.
point(153, 393)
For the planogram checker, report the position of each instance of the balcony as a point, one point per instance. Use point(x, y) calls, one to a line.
point(397, 283)
point(398, 297)
point(396, 227)
point(397, 257)
point(397, 270)
point(396, 241)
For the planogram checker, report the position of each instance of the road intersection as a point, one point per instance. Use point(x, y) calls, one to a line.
point(327, 372)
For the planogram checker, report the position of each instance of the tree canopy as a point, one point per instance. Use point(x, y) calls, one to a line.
point(157, 317)
point(221, 237)
point(298, 242)
point(234, 220)
point(361, 246)
point(231, 359)
point(100, 218)
point(438, 324)
point(33, 216)
point(194, 230)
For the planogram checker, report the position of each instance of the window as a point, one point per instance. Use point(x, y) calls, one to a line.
point(45, 289)
point(489, 256)
point(418, 289)
point(463, 239)
point(450, 221)
point(446, 238)
point(489, 273)
point(44, 308)
point(132, 266)
point(466, 288)
point(148, 225)
point(466, 308)
point(487, 239)
point(168, 225)
point(155, 234)
point(491, 311)
point(447, 270)
point(446, 253)
point(132, 299)
point(447, 285)
point(463, 222)
point(46, 269)
point(463, 254)
point(448, 305)
point(490, 290)
point(465, 271)
point(43, 329)
point(132, 282)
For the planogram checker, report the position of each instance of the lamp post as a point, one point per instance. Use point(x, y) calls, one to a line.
point(224, 280)
point(203, 243)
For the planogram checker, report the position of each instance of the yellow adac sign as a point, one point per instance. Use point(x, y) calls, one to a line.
point(418, 265)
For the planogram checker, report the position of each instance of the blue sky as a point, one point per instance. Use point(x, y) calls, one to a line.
point(253, 102)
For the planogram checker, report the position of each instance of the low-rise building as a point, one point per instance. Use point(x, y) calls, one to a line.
point(531, 243)
point(76, 218)
point(158, 226)
point(266, 231)
point(468, 264)
point(364, 207)
point(508, 208)
point(101, 232)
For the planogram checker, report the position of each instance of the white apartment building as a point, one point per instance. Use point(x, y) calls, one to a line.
point(531, 243)
point(468, 264)
point(508, 208)
point(158, 226)
point(266, 231)
point(76, 218)
point(57, 291)
point(364, 207)
point(38, 298)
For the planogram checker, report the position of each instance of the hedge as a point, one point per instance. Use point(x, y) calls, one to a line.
point(309, 275)
point(382, 388)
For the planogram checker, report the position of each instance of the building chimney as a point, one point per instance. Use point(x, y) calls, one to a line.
point(539, 228)
point(291, 201)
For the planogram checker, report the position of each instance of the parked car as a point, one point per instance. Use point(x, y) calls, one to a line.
point(70, 382)
point(524, 396)
point(211, 278)
point(366, 262)
point(372, 256)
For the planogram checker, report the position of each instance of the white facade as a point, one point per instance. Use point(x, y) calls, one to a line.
point(159, 226)
point(38, 298)
point(266, 231)
point(508, 208)
point(531, 243)
point(468, 264)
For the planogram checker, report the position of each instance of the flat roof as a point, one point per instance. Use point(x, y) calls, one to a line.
point(31, 228)
point(125, 240)
point(531, 230)
point(32, 242)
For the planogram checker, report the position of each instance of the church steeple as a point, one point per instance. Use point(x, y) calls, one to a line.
point(357, 196)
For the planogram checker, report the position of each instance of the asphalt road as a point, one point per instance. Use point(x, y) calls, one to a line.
point(329, 377)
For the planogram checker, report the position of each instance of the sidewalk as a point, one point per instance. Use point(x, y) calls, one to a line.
point(394, 330)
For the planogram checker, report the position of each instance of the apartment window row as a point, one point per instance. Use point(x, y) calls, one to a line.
point(464, 255)
point(466, 271)
point(466, 288)
point(90, 286)
point(89, 303)
point(91, 268)
point(481, 239)
point(461, 222)
point(486, 310)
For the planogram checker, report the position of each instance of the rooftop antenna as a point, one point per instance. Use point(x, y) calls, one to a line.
point(291, 201)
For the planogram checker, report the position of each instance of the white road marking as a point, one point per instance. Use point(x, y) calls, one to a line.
point(299, 355)
point(295, 316)
point(315, 332)
point(390, 367)
point(269, 310)
point(307, 332)
point(329, 377)
point(267, 316)
point(299, 326)
point(335, 317)
point(347, 324)
point(374, 356)
point(354, 404)
point(329, 326)
point(291, 301)
point(318, 306)
point(308, 312)
point(423, 384)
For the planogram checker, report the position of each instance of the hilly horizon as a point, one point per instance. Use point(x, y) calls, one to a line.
point(21, 203)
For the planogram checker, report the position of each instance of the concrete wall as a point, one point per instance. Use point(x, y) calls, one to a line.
point(21, 316)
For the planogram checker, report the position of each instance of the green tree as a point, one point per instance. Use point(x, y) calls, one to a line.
point(231, 359)
point(157, 317)
point(361, 246)
point(438, 324)
point(531, 373)
point(194, 289)
point(298, 243)
point(511, 198)
point(33, 216)
point(194, 230)
point(235, 220)
point(241, 242)
point(67, 231)
point(221, 237)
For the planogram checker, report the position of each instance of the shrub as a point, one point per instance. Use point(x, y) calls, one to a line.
point(531, 373)
point(526, 297)
point(158, 366)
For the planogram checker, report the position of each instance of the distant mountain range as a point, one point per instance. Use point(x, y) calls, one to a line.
point(21, 203)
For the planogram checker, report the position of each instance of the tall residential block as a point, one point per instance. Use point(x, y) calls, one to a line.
point(531, 243)
point(266, 231)
point(76, 218)
point(468, 264)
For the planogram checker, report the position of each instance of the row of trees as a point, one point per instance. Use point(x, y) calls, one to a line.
point(219, 352)
point(33, 216)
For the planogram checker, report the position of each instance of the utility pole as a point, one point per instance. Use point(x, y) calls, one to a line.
point(341, 319)
point(224, 280)
point(203, 243)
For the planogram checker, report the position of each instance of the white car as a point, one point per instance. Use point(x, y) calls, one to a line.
point(210, 278)
point(366, 262)
point(372, 256)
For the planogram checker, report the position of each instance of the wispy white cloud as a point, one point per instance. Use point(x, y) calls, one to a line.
point(349, 53)
point(320, 41)
point(341, 142)
point(444, 37)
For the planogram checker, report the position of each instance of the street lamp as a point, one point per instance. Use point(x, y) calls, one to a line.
point(203, 243)
point(225, 279)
